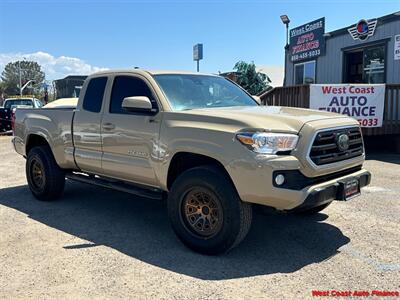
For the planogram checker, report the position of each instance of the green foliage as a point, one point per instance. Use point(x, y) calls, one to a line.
point(30, 70)
point(251, 80)
point(2, 87)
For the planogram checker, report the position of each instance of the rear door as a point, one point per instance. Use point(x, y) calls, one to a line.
point(130, 139)
point(86, 126)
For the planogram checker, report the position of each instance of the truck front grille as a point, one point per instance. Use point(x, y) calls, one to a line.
point(330, 146)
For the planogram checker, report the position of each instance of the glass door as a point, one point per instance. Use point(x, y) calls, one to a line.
point(365, 65)
point(374, 65)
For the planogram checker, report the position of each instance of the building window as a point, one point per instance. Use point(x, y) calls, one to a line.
point(304, 73)
point(366, 65)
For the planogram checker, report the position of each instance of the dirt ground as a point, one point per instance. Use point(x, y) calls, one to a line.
point(98, 243)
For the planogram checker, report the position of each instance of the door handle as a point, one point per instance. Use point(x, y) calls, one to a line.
point(108, 126)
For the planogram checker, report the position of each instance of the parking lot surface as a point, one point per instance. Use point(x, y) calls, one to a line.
point(98, 243)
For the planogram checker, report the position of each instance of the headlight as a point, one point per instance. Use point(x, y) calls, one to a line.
point(268, 143)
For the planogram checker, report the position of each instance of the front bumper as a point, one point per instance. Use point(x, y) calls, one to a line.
point(332, 191)
point(254, 179)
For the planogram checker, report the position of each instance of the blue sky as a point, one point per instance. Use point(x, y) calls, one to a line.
point(160, 34)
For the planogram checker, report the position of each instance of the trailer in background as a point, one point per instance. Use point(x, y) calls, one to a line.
point(69, 86)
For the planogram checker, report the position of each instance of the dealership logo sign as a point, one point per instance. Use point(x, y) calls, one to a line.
point(363, 30)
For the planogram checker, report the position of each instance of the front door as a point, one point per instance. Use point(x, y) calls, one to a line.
point(130, 139)
point(354, 67)
point(366, 65)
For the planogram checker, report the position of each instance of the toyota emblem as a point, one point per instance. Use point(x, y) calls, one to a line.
point(343, 142)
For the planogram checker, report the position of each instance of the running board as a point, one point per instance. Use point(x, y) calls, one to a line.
point(117, 185)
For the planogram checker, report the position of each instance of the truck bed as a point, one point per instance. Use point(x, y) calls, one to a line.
point(53, 123)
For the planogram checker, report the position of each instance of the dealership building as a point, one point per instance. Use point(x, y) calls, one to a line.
point(367, 51)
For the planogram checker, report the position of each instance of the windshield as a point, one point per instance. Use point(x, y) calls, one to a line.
point(16, 102)
point(201, 91)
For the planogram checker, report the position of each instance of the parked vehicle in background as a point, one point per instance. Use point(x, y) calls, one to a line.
point(200, 140)
point(10, 105)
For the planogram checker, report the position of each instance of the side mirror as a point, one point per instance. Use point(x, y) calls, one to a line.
point(258, 99)
point(137, 104)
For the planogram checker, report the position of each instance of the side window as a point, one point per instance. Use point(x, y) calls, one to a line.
point(39, 103)
point(128, 86)
point(94, 94)
point(304, 73)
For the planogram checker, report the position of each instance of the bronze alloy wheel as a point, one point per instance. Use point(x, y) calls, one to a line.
point(202, 212)
point(37, 174)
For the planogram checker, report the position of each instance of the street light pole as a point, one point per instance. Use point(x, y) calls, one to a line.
point(285, 20)
point(26, 84)
point(287, 35)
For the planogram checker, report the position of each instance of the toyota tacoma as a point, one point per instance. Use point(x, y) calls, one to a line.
point(199, 141)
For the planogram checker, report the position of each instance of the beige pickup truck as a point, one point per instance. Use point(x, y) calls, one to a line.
point(197, 140)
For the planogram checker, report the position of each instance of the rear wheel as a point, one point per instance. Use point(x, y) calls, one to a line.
point(206, 212)
point(45, 178)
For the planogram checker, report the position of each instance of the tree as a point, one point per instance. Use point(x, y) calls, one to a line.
point(30, 70)
point(248, 78)
point(2, 88)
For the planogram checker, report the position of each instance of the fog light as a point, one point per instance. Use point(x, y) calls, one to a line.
point(279, 179)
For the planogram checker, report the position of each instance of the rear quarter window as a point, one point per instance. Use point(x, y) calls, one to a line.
point(94, 94)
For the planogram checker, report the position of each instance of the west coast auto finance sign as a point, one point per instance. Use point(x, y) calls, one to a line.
point(307, 41)
point(364, 102)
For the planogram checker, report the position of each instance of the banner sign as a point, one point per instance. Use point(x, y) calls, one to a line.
point(397, 47)
point(307, 41)
point(364, 102)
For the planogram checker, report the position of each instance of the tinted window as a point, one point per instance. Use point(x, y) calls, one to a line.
point(17, 102)
point(94, 94)
point(299, 74)
point(304, 73)
point(128, 86)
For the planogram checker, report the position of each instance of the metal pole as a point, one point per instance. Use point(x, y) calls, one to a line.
point(20, 79)
point(198, 65)
point(286, 51)
point(287, 34)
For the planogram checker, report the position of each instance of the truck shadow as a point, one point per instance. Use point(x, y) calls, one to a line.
point(140, 228)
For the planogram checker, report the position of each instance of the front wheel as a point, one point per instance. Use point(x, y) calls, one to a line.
point(46, 179)
point(206, 212)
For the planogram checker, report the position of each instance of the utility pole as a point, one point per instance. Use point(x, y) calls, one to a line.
point(20, 78)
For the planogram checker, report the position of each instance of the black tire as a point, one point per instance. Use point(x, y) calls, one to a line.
point(231, 217)
point(41, 162)
point(314, 210)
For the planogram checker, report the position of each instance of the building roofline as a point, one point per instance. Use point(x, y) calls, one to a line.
point(381, 20)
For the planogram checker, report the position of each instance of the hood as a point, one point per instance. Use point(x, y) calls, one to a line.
point(274, 118)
